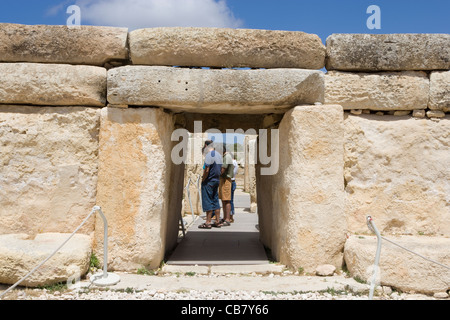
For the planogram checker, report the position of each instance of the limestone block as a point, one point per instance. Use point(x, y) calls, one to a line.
point(52, 84)
point(399, 268)
point(85, 45)
point(225, 48)
point(134, 185)
point(440, 91)
point(388, 52)
point(302, 206)
point(19, 254)
point(386, 91)
point(396, 170)
point(325, 270)
point(435, 114)
point(214, 91)
point(48, 168)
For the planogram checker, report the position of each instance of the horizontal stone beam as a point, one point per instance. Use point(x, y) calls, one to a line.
point(215, 91)
point(86, 45)
point(388, 52)
point(385, 91)
point(213, 47)
point(52, 84)
point(440, 91)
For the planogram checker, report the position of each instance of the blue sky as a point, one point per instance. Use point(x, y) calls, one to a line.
point(320, 17)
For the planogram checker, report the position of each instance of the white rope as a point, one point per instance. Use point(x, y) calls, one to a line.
point(49, 257)
point(373, 228)
point(430, 260)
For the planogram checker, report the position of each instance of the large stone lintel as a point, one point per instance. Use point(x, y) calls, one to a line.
point(388, 52)
point(86, 45)
point(225, 48)
point(215, 91)
point(52, 84)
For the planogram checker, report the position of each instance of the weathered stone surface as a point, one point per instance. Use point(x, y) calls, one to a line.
point(134, 186)
point(213, 47)
point(48, 168)
point(215, 91)
point(52, 84)
point(325, 270)
point(407, 90)
point(435, 114)
point(440, 91)
point(399, 268)
point(19, 254)
point(86, 45)
point(396, 170)
point(388, 52)
point(301, 208)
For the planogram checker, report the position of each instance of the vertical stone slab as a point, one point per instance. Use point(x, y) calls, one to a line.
point(48, 168)
point(440, 91)
point(134, 185)
point(308, 221)
point(397, 171)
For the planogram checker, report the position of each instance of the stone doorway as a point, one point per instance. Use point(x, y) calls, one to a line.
point(300, 208)
point(239, 243)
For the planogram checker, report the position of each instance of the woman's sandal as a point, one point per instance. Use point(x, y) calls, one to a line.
point(204, 226)
point(217, 225)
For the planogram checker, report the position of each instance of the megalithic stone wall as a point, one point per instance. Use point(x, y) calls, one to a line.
point(389, 72)
point(395, 165)
point(55, 82)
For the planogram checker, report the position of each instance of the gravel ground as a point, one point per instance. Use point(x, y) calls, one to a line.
point(88, 292)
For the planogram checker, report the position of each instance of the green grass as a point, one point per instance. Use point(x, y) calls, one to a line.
point(60, 286)
point(359, 280)
point(94, 263)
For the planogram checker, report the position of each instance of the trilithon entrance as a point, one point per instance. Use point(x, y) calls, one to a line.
point(300, 212)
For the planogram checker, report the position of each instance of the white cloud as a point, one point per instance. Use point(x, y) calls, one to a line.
point(135, 14)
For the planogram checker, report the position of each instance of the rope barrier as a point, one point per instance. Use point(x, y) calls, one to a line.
point(102, 279)
point(373, 228)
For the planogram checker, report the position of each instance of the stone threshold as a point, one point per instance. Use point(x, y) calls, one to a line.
point(225, 269)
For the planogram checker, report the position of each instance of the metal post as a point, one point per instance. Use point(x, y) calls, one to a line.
point(104, 279)
point(199, 192)
point(189, 197)
point(374, 229)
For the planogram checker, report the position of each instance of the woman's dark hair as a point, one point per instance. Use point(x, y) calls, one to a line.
point(207, 143)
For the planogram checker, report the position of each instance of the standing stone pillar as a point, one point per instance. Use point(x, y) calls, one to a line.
point(250, 147)
point(301, 208)
point(137, 186)
point(194, 170)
